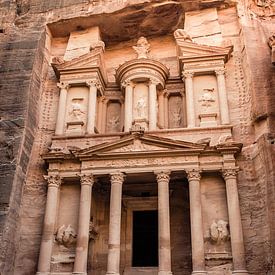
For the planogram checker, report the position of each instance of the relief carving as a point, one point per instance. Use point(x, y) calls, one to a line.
point(183, 35)
point(76, 113)
point(271, 43)
point(219, 232)
point(65, 235)
point(262, 8)
point(140, 108)
point(175, 112)
point(142, 48)
point(207, 98)
point(113, 117)
point(93, 231)
point(113, 124)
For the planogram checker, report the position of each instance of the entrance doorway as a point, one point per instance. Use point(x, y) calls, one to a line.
point(145, 239)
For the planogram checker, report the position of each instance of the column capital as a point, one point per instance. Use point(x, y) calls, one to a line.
point(53, 180)
point(127, 83)
point(162, 176)
point(117, 178)
point(230, 173)
point(94, 83)
point(187, 74)
point(87, 179)
point(194, 174)
point(63, 85)
point(220, 71)
point(153, 81)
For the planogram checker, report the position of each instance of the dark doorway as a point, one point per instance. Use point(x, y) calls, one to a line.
point(145, 238)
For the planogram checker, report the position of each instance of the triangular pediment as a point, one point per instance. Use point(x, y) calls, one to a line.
point(191, 50)
point(135, 145)
point(92, 60)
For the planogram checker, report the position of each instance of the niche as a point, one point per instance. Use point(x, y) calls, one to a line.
point(175, 114)
point(113, 124)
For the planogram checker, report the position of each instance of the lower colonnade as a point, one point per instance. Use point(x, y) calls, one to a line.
point(162, 178)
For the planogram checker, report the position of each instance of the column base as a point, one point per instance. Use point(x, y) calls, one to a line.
point(165, 273)
point(80, 273)
point(240, 272)
point(112, 273)
point(199, 272)
point(42, 273)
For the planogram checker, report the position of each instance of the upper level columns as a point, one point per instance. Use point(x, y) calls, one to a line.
point(81, 257)
point(190, 104)
point(198, 260)
point(44, 263)
point(115, 223)
point(152, 105)
point(128, 115)
point(236, 233)
point(61, 112)
point(224, 110)
point(92, 104)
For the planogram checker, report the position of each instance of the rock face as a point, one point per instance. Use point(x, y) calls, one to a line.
point(48, 42)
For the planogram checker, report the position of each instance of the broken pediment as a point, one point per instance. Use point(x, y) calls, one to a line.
point(189, 51)
point(89, 62)
point(143, 144)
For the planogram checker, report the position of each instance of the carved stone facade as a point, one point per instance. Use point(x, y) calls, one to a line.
point(150, 153)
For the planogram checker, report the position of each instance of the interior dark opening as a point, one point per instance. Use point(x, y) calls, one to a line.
point(145, 238)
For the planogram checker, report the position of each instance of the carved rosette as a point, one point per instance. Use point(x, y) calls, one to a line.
point(193, 174)
point(53, 180)
point(220, 71)
point(117, 178)
point(230, 173)
point(86, 179)
point(187, 74)
point(163, 176)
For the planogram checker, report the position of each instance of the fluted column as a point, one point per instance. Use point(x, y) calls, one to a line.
point(198, 260)
point(92, 105)
point(128, 114)
point(152, 105)
point(223, 102)
point(61, 112)
point(81, 257)
point(235, 223)
point(190, 104)
point(44, 262)
point(164, 223)
point(115, 224)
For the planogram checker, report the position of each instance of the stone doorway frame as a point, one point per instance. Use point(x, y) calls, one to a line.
point(131, 204)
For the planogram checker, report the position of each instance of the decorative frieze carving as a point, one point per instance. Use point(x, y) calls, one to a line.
point(142, 48)
point(65, 235)
point(53, 180)
point(219, 232)
point(193, 174)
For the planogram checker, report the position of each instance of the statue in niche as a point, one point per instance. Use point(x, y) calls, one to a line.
point(93, 230)
point(141, 107)
point(176, 118)
point(65, 235)
point(113, 124)
point(76, 113)
point(182, 34)
point(219, 232)
point(207, 98)
point(142, 48)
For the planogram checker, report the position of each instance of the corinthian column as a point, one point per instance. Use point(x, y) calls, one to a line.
point(115, 224)
point(92, 102)
point(222, 96)
point(61, 112)
point(235, 223)
point(44, 262)
point(152, 105)
point(80, 263)
point(190, 105)
point(164, 223)
point(128, 115)
point(198, 260)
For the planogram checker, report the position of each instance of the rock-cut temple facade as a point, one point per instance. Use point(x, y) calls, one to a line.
point(137, 137)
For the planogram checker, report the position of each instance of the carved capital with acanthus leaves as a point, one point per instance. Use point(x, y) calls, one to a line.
point(230, 173)
point(87, 179)
point(193, 175)
point(187, 74)
point(117, 178)
point(94, 83)
point(53, 180)
point(163, 176)
point(63, 85)
point(220, 71)
point(127, 83)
